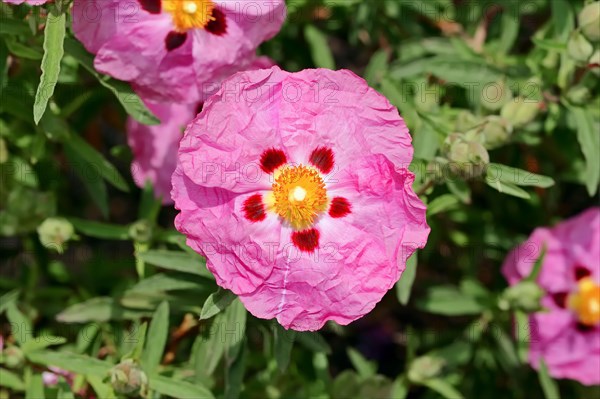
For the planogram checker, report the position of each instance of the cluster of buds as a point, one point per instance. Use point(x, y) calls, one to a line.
point(580, 46)
point(525, 296)
point(127, 378)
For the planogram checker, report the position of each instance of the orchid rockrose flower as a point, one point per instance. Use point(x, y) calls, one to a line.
point(296, 189)
point(566, 335)
point(170, 50)
point(30, 2)
point(155, 147)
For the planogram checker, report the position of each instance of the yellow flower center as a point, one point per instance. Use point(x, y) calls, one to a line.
point(299, 195)
point(586, 302)
point(190, 14)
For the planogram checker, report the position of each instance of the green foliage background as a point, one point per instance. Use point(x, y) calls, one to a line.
point(504, 87)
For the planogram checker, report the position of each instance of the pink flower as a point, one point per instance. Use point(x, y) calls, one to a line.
point(30, 2)
point(155, 147)
point(175, 50)
point(296, 189)
point(51, 377)
point(567, 335)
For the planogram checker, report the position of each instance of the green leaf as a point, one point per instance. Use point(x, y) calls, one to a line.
point(136, 350)
point(157, 338)
point(22, 51)
point(442, 203)
point(549, 386)
point(510, 22)
point(21, 327)
point(73, 362)
point(54, 35)
point(64, 390)
point(100, 230)
point(519, 177)
point(537, 267)
point(443, 388)
point(103, 390)
point(10, 380)
point(8, 298)
point(131, 102)
point(97, 161)
point(234, 376)
point(149, 204)
point(13, 27)
point(232, 323)
point(507, 188)
point(170, 282)
point(283, 344)
point(523, 335)
point(400, 388)
point(34, 388)
point(178, 389)
point(42, 343)
point(589, 141)
point(98, 309)
point(404, 285)
point(216, 302)
point(319, 48)
point(179, 261)
point(94, 184)
point(364, 367)
point(313, 341)
point(377, 68)
point(449, 301)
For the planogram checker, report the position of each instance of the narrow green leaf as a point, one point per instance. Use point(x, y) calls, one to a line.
point(97, 161)
point(149, 204)
point(20, 325)
point(523, 335)
point(537, 267)
point(319, 48)
point(10, 380)
point(400, 388)
point(95, 186)
point(73, 362)
point(449, 301)
point(8, 298)
point(178, 389)
point(54, 35)
point(157, 338)
point(98, 309)
point(549, 386)
point(232, 324)
point(139, 340)
point(313, 341)
point(234, 376)
point(100, 230)
point(64, 390)
point(14, 27)
point(404, 285)
point(179, 261)
point(377, 68)
point(519, 177)
point(589, 141)
point(507, 188)
point(34, 388)
point(510, 23)
point(129, 100)
point(216, 302)
point(42, 343)
point(103, 390)
point(443, 388)
point(364, 367)
point(283, 344)
point(442, 203)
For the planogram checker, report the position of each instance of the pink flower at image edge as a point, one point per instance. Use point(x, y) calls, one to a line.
point(30, 2)
point(296, 189)
point(567, 334)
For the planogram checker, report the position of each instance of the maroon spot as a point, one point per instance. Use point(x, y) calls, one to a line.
point(339, 207)
point(306, 240)
point(584, 328)
point(199, 107)
point(322, 158)
point(218, 26)
point(271, 159)
point(175, 40)
point(254, 209)
point(581, 272)
point(560, 299)
point(152, 6)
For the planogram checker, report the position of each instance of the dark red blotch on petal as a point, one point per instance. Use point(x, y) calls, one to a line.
point(581, 272)
point(560, 299)
point(584, 328)
point(219, 25)
point(199, 107)
point(306, 240)
point(152, 6)
point(322, 159)
point(254, 209)
point(271, 159)
point(339, 207)
point(175, 40)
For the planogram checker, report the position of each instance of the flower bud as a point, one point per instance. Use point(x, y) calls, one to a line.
point(141, 231)
point(465, 120)
point(494, 96)
point(589, 21)
point(13, 357)
point(520, 111)
point(468, 158)
point(496, 131)
point(579, 94)
point(525, 296)
point(127, 378)
point(425, 367)
point(55, 232)
point(578, 48)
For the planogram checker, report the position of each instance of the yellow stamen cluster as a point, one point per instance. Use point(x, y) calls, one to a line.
point(586, 302)
point(190, 14)
point(299, 195)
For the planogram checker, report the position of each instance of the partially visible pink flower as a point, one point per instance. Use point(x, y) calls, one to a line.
point(296, 189)
point(567, 334)
point(52, 377)
point(175, 50)
point(30, 2)
point(155, 147)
